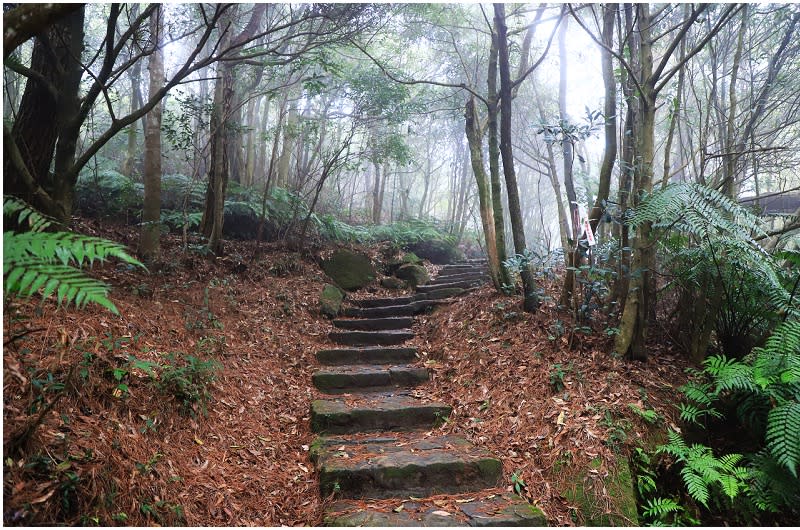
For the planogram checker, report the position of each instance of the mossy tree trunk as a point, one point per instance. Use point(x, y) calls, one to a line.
point(484, 192)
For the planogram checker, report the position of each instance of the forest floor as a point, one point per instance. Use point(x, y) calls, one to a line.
point(128, 442)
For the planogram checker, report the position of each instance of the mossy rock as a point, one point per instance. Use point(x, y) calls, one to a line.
point(330, 300)
point(410, 257)
point(392, 283)
point(619, 486)
point(414, 274)
point(349, 270)
point(436, 251)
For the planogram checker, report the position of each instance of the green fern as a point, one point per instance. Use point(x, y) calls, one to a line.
point(702, 470)
point(49, 262)
point(783, 435)
point(721, 255)
point(658, 508)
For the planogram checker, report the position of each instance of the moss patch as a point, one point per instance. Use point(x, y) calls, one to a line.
point(580, 492)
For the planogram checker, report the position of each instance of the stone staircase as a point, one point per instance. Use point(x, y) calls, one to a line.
point(374, 438)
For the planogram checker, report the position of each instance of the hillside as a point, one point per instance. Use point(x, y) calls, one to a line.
point(133, 442)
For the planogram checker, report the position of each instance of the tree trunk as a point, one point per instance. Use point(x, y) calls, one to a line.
point(633, 326)
point(250, 145)
point(567, 154)
point(610, 117)
point(149, 247)
point(45, 106)
point(376, 195)
point(221, 135)
point(289, 136)
point(503, 275)
point(530, 297)
point(484, 195)
point(129, 163)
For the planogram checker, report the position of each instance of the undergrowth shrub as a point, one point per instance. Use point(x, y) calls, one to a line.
point(726, 282)
point(108, 193)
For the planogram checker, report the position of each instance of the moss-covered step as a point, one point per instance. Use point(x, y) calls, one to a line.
point(465, 270)
point(481, 510)
point(460, 285)
point(387, 467)
point(359, 378)
point(381, 302)
point(376, 412)
point(374, 324)
point(371, 338)
point(369, 355)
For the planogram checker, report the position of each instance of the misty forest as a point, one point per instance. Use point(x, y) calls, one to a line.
point(401, 264)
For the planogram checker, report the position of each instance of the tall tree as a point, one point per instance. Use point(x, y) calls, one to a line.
point(530, 300)
point(149, 239)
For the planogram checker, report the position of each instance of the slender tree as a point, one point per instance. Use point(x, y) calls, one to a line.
point(530, 301)
point(149, 239)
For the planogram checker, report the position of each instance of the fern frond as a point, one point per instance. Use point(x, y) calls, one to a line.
point(42, 262)
point(783, 435)
point(659, 507)
point(36, 221)
point(65, 247)
point(729, 374)
point(695, 485)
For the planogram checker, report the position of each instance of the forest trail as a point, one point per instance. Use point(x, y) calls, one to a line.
point(375, 440)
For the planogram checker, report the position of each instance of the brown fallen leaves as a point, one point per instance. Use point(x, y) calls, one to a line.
point(544, 409)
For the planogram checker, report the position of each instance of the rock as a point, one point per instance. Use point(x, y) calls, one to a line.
point(413, 274)
point(330, 300)
point(349, 270)
point(436, 251)
point(392, 283)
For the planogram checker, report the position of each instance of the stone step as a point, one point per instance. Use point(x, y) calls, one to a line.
point(440, 293)
point(374, 324)
point(371, 355)
point(397, 466)
point(336, 380)
point(458, 278)
point(376, 412)
point(371, 338)
point(414, 308)
point(447, 273)
point(382, 302)
point(461, 285)
point(459, 267)
point(493, 509)
point(380, 312)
